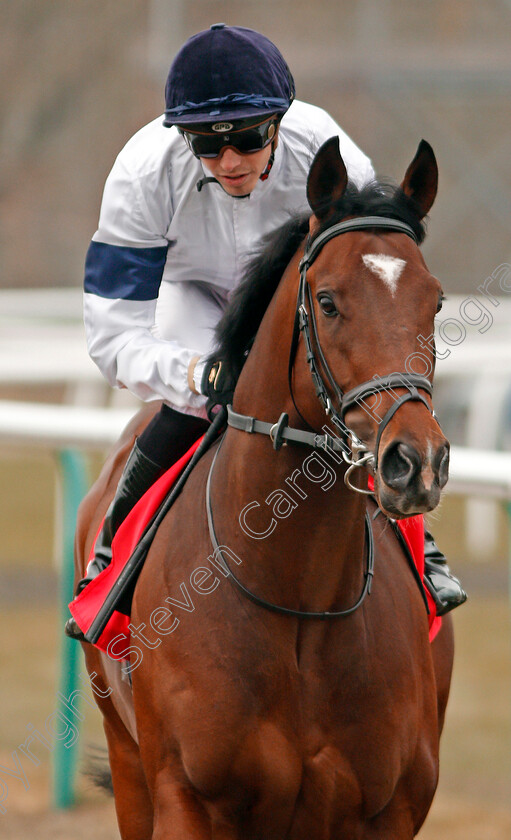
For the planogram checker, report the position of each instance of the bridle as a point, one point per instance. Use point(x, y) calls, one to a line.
point(305, 323)
point(354, 452)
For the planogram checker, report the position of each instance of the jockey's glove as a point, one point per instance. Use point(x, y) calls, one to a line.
point(217, 383)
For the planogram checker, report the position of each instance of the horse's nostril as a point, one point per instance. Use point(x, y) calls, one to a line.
point(442, 459)
point(399, 465)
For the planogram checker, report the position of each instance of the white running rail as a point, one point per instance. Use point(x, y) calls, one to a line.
point(473, 472)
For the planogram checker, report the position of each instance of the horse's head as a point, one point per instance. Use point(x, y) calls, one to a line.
point(373, 301)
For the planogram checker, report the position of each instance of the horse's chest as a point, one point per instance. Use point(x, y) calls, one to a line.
point(319, 758)
point(366, 730)
point(319, 745)
point(323, 782)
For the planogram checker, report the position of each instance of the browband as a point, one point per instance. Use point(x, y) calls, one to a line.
point(348, 225)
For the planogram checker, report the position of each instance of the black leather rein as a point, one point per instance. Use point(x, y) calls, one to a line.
point(368, 574)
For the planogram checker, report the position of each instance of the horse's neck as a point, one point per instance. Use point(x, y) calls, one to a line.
point(289, 517)
point(290, 508)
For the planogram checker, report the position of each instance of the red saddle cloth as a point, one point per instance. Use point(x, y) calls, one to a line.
point(86, 606)
point(412, 530)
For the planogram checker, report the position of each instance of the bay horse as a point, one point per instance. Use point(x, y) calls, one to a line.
point(311, 709)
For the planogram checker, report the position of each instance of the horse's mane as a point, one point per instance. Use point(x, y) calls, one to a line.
point(238, 326)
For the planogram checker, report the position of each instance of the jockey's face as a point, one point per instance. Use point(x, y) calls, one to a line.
point(236, 153)
point(238, 173)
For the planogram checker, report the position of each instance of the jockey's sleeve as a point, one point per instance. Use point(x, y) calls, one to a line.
point(123, 272)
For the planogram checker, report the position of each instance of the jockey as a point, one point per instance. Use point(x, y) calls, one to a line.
point(187, 203)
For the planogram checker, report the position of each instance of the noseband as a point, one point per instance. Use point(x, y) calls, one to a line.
point(354, 452)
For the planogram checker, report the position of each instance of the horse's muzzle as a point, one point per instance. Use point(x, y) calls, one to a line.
point(408, 483)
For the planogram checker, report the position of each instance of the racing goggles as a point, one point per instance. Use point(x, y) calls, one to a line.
point(209, 143)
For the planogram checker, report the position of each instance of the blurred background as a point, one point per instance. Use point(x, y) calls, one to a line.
point(78, 79)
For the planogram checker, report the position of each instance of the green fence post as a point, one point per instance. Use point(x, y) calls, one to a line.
point(508, 509)
point(74, 479)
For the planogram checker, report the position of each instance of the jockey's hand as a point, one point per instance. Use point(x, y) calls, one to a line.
point(217, 383)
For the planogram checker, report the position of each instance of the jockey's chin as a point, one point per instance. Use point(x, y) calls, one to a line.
point(238, 173)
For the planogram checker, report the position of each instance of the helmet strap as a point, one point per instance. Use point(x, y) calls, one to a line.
point(270, 163)
point(204, 181)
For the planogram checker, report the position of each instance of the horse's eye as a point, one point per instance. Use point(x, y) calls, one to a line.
point(327, 305)
point(440, 303)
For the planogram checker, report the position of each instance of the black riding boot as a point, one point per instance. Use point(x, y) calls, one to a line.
point(166, 438)
point(138, 475)
point(444, 587)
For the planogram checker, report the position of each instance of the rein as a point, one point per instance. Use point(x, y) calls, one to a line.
point(368, 574)
point(354, 452)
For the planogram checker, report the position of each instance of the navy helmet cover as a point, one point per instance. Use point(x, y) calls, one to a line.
point(227, 73)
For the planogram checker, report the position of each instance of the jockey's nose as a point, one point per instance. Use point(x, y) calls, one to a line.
point(229, 158)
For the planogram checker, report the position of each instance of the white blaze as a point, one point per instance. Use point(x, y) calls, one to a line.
point(387, 268)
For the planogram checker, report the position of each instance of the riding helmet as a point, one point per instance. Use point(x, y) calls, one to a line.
point(227, 73)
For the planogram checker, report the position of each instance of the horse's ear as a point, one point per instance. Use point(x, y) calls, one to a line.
point(421, 179)
point(327, 179)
